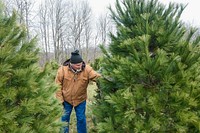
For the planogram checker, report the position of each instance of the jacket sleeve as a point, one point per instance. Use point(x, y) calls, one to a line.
point(59, 80)
point(93, 75)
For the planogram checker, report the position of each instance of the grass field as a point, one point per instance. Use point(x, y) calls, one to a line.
point(91, 92)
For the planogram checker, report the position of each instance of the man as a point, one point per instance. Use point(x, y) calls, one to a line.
point(74, 77)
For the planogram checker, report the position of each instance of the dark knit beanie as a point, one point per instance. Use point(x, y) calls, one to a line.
point(75, 57)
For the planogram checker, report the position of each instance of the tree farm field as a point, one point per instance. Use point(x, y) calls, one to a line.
point(91, 91)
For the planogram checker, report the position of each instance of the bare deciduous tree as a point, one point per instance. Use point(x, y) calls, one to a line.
point(57, 14)
point(52, 14)
point(80, 17)
point(24, 9)
point(44, 29)
point(104, 27)
point(88, 35)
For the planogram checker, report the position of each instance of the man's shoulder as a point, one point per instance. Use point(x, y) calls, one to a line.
point(63, 67)
point(88, 67)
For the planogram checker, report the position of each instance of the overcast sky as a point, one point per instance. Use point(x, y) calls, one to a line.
point(191, 14)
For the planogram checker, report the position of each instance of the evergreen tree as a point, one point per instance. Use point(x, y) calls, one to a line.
point(27, 100)
point(150, 72)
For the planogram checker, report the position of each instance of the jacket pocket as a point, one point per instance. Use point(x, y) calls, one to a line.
point(67, 82)
point(83, 82)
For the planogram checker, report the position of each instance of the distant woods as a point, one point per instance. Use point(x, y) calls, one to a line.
point(62, 26)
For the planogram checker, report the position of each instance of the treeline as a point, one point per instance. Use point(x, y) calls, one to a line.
point(62, 26)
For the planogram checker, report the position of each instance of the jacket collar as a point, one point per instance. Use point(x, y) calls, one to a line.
point(67, 63)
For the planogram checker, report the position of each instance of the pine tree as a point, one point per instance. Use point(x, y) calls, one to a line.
point(27, 92)
point(150, 72)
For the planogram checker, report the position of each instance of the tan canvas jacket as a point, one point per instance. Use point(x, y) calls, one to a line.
point(74, 85)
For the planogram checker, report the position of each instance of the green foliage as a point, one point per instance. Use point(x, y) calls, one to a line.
point(150, 77)
point(27, 98)
point(97, 64)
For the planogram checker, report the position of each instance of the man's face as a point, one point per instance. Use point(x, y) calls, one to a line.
point(77, 66)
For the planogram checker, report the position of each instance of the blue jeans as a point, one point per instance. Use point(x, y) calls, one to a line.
point(80, 116)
